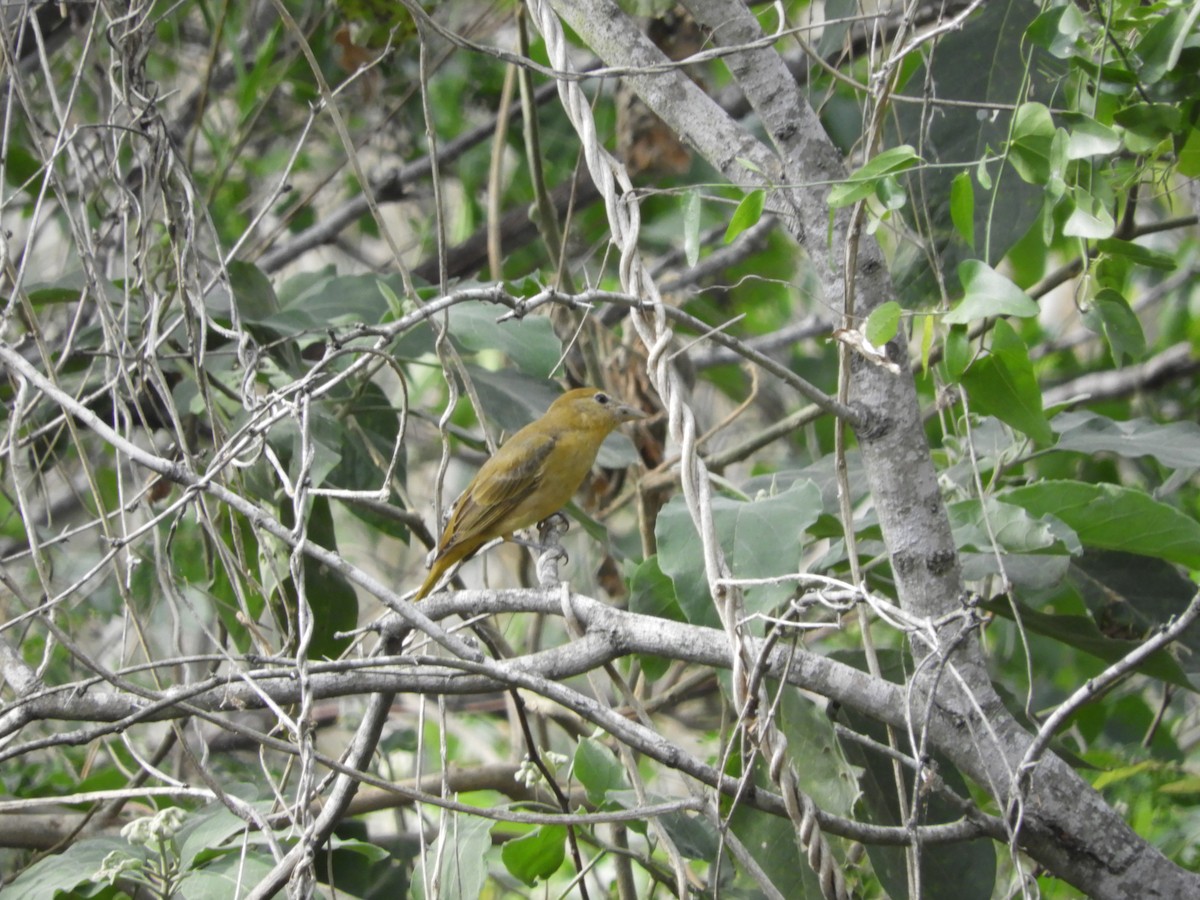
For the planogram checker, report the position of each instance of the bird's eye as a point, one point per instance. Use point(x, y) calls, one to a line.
point(602, 398)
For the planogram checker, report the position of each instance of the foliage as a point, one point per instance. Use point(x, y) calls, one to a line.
point(253, 342)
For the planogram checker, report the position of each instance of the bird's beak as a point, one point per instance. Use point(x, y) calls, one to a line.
point(629, 413)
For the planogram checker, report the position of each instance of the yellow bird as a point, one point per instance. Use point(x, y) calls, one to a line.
point(531, 477)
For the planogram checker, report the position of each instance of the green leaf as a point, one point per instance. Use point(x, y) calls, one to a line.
point(652, 593)
point(988, 293)
point(1056, 185)
point(205, 830)
point(459, 857)
point(1112, 517)
point(364, 850)
point(1147, 124)
point(839, 16)
point(1123, 773)
point(537, 854)
point(958, 353)
point(1189, 155)
point(747, 214)
point(1014, 529)
point(762, 538)
point(1027, 258)
point(1176, 444)
point(318, 300)
point(927, 331)
point(598, 770)
point(510, 399)
point(1081, 633)
point(20, 167)
point(67, 870)
point(864, 181)
point(1130, 596)
point(12, 523)
point(890, 193)
point(1088, 137)
point(1089, 218)
point(369, 430)
point(326, 436)
point(771, 841)
point(1002, 384)
point(982, 175)
point(396, 306)
point(961, 871)
point(693, 836)
point(813, 748)
point(256, 300)
point(231, 875)
point(1057, 30)
point(229, 601)
point(1143, 256)
point(1161, 44)
point(333, 601)
point(529, 342)
point(962, 207)
point(691, 227)
point(1188, 786)
point(962, 137)
point(1030, 146)
point(1111, 316)
point(1026, 572)
point(48, 296)
point(882, 323)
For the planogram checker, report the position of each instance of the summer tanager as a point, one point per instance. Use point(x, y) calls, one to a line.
point(531, 477)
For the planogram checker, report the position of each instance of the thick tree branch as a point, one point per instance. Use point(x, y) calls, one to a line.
point(610, 634)
point(1177, 361)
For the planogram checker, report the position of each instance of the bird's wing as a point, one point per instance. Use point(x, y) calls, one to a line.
point(499, 487)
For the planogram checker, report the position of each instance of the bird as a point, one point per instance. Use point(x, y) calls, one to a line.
point(531, 476)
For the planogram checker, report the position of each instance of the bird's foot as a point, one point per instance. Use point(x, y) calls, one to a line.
point(555, 524)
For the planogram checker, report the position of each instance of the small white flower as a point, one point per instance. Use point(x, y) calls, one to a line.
point(115, 865)
point(527, 774)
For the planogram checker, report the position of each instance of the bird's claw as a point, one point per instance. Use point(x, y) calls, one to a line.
point(554, 524)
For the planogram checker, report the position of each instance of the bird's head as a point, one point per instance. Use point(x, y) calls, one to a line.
point(593, 409)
